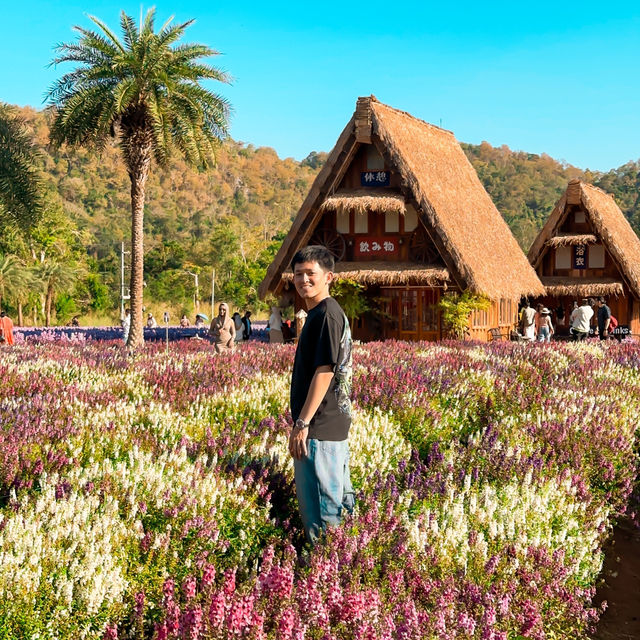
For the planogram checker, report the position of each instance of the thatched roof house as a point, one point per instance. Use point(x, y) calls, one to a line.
point(588, 248)
point(475, 243)
point(396, 181)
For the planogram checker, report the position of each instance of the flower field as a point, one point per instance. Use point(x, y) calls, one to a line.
point(153, 497)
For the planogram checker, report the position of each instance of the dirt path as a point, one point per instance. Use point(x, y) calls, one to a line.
point(621, 588)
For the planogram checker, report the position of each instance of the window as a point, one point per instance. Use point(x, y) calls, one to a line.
point(342, 221)
point(361, 222)
point(391, 222)
point(410, 219)
point(480, 319)
point(375, 162)
point(563, 257)
point(596, 256)
point(579, 217)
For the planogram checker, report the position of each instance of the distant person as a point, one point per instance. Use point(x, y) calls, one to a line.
point(6, 329)
point(574, 310)
point(184, 321)
point(275, 326)
point(222, 330)
point(126, 325)
point(199, 321)
point(581, 323)
point(246, 324)
point(288, 333)
point(528, 322)
point(151, 321)
point(237, 323)
point(75, 321)
point(560, 316)
point(604, 319)
point(545, 326)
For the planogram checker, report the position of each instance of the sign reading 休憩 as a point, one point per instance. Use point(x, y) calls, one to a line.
point(375, 178)
point(375, 247)
point(579, 256)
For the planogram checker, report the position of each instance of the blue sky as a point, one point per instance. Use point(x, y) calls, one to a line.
point(556, 78)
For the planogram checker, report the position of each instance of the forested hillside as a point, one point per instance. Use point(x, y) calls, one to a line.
point(232, 218)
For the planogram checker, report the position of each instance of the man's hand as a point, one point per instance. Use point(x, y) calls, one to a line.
point(298, 442)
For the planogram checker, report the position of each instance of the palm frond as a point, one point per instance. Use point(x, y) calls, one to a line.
point(20, 197)
point(105, 29)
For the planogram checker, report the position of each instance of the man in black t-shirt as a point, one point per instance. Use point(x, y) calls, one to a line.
point(604, 318)
point(320, 402)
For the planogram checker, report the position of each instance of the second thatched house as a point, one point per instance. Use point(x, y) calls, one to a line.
point(587, 248)
point(405, 214)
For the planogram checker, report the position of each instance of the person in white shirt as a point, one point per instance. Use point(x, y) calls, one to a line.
point(528, 322)
point(275, 326)
point(126, 325)
point(581, 321)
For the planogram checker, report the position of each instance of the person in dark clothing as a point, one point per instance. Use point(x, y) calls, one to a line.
point(320, 402)
point(247, 330)
point(604, 319)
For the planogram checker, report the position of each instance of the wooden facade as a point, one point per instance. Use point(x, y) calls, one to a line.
point(404, 213)
point(588, 249)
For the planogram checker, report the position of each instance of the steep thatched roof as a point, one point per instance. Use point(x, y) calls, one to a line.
point(388, 273)
point(582, 287)
point(474, 241)
point(364, 200)
point(568, 239)
point(608, 223)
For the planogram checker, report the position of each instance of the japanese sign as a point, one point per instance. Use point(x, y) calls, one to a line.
point(375, 247)
point(375, 178)
point(580, 256)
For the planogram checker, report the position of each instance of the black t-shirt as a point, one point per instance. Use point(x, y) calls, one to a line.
point(603, 313)
point(325, 340)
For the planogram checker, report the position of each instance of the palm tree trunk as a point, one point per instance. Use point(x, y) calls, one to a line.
point(20, 317)
point(138, 157)
point(49, 299)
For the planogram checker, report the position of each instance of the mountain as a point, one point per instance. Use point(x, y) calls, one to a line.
point(233, 217)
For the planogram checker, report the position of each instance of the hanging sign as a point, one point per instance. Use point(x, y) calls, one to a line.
point(369, 247)
point(580, 256)
point(375, 178)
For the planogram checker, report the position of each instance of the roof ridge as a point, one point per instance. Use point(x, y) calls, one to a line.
point(408, 115)
point(593, 186)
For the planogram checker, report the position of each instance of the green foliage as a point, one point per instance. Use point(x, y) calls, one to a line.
point(19, 176)
point(351, 296)
point(457, 308)
point(65, 308)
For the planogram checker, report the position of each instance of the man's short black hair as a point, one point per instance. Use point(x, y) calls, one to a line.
point(315, 253)
point(585, 301)
point(602, 299)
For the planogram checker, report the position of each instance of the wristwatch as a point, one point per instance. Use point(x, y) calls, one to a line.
point(300, 424)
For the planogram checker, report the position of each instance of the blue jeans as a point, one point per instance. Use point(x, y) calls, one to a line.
point(323, 485)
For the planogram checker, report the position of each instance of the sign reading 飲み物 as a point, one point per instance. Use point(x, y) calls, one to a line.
point(375, 247)
point(580, 256)
point(375, 178)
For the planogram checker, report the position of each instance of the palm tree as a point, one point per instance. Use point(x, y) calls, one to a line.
point(145, 92)
point(19, 178)
point(56, 277)
point(15, 278)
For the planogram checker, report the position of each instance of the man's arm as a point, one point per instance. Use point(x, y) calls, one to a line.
point(318, 389)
